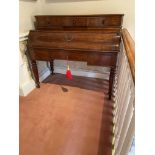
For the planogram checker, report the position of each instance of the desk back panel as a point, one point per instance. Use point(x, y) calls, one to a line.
point(78, 21)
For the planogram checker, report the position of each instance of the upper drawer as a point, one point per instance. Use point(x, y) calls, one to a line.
point(74, 36)
point(85, 21)
point(74, 40)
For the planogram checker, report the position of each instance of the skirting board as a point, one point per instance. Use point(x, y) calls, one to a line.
point(81, 72)
point(29, 86)
point(26, 88)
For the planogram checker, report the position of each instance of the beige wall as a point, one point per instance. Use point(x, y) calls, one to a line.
point(94, 7)
point(27, 10)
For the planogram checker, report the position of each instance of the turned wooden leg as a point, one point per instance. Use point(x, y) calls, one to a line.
point(35, 73)
point(52, 66)
point(111, 80)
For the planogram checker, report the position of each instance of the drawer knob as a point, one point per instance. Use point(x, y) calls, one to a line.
point(69, 38)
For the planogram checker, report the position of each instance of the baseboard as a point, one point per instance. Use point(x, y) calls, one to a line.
point(85, 73)
point(26, 88)
point(23, 36)
point(44, 75)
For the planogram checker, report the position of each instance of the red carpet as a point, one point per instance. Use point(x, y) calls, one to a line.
point(66, 117)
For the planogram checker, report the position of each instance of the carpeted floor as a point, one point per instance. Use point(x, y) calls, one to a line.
point(66, 117)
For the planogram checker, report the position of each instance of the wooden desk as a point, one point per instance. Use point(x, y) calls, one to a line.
point(91, 38)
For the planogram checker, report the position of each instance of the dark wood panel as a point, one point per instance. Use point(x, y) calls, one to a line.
point(75, 40)
point(93, 58)
point(40, 54)
point(102, 59)
point(94, 39)
point(104, 21)
point(68, 54)
point(79, 46)
point(51, 22)
point(49, 36)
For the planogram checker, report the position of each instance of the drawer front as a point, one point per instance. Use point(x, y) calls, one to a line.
point(40, 54)
point(102, 59)
point(101, 21)
point(93, 58)
point(75, 40)
point(44, 54)
point(43, 36)
point(68, 55)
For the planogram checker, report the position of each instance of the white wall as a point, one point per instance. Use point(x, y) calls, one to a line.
point(26, 84)
point(27, 10)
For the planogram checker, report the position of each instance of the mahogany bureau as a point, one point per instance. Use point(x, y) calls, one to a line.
point(91, 38)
